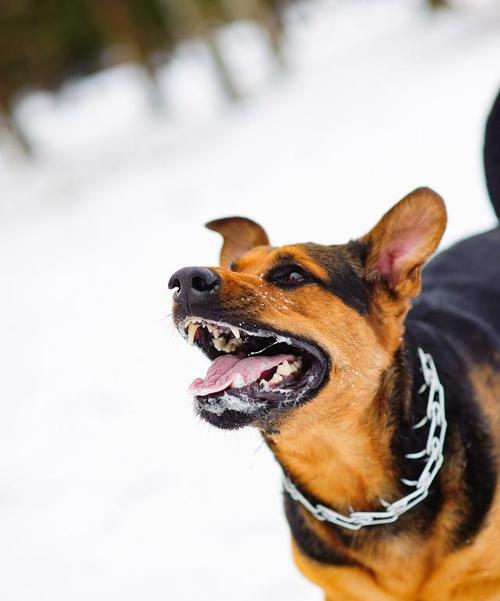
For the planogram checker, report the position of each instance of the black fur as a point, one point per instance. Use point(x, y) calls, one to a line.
point(308, 542)
point(457, 320)
point(491, 155)
point(344, 267)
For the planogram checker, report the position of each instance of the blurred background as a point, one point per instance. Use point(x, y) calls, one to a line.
point(125, 125)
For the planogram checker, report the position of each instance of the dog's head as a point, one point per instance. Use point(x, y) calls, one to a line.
point(302, 324)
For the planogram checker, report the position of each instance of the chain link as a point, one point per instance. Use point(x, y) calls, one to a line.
point(433, 451)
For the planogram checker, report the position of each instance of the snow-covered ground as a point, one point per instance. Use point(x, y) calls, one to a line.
point(109, 487)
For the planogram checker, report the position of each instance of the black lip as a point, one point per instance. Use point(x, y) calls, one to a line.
point(268, 405)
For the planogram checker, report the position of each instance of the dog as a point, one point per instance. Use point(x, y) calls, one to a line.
point(376, 385)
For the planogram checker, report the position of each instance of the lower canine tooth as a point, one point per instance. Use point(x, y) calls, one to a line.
point(232, 345)
point(264, 384)
point(284, 369)
point(276, 379)
point(219, 344)
point(192, 331)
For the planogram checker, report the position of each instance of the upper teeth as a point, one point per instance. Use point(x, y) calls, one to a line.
point(192, 328)
point(220, 342)
point(228, 346)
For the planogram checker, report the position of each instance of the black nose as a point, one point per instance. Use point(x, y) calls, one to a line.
point(194, 285)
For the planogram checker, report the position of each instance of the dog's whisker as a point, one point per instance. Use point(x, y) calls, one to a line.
point(259, 446)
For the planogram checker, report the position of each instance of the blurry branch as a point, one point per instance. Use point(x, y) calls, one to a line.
point(438, 3)
point(132, 32)
point(45, 42)
point(194, 18)
point(10, 125)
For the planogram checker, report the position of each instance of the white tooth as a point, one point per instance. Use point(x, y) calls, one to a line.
point(233, 342)
point(192, 328)
point(276, 379)
point(209, 327)
point(265, 385)
point(285, 369)
point(219, 344)
point(238, 381)
point(215, 332)
point(235, 331)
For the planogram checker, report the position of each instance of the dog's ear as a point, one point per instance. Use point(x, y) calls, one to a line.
point(240, 235)
point(404, 239)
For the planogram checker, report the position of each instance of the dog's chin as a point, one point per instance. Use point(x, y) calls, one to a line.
point(294, 370)
point(228, 419)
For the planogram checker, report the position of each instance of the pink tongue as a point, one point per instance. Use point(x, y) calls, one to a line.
point(225, 369)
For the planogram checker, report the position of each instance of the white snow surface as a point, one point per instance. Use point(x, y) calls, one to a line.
point(110, 488)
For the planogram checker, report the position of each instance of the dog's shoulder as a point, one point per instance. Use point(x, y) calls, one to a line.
point(461, 294)
point(476, 256)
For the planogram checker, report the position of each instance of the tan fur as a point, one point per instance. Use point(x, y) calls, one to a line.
point(486, 382)
point(405, 238)
point(337, 445)
point(431, 572)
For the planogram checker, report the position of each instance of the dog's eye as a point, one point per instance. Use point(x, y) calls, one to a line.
point(288, 276)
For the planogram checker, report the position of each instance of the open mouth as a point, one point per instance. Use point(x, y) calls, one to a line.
point(252, 372)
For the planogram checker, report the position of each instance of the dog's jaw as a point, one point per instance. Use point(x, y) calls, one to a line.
point(256, 375)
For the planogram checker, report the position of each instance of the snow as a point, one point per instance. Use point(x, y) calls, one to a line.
point(110, 488)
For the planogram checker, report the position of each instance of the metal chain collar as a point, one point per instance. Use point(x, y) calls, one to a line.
point(433, 451)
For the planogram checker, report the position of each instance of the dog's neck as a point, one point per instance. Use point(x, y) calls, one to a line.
point(354, 462)
point(351, 466)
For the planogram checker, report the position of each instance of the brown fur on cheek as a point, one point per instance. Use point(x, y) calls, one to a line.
point(331, 437)
point(250, 296)
point(318, 316)
point(388, 312)
point(338, 432)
